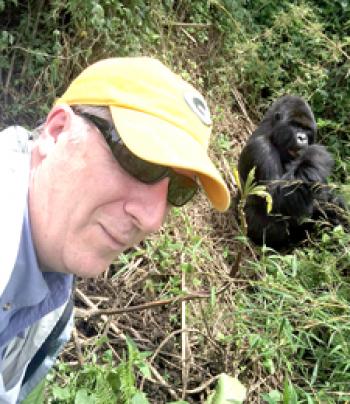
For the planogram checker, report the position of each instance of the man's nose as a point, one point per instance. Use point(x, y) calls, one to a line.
point(148, 206)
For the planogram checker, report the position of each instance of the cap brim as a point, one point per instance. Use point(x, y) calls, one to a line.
point(160, 142)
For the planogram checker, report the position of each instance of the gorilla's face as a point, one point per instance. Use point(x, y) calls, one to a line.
point(293, 130)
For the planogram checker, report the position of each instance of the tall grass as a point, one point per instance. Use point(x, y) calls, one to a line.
point(294, 320)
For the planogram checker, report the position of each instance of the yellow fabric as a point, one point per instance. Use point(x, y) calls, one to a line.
point(160, 117)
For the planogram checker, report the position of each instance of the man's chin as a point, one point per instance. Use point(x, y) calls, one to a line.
point(88, 268)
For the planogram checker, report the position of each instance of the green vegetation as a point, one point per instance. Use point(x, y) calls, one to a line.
point(281, 325)
point(103, 383)
point(297, 323)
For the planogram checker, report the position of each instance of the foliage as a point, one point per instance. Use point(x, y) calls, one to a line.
point(251, 188)
point(295, 319)
point(247, 189)
point(45, 44)
point(101, 382)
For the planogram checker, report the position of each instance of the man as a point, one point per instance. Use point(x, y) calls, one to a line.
point(126, 141)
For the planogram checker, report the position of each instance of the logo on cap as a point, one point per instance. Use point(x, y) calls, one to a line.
point(198, 105)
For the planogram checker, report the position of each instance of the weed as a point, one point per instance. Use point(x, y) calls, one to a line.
point(104, 382)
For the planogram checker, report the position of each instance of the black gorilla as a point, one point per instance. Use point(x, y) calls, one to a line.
point(294, 170)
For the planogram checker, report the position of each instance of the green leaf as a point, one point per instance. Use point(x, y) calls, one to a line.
point(82, 397)
point(269, 365)
point(229, 390)
point(237, 179)
point(139, 398)
point(37, 395)
point(144, 369)
point(273, 397)
point(345, 191)
point(114, 381)
point(289, 394)
point(263, 194)
point(61, 393)
point(132, 347)
point(250, 181)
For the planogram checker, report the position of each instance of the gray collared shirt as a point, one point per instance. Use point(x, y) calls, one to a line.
point(30, 293)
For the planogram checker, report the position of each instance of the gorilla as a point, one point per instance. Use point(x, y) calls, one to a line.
point(294, 170)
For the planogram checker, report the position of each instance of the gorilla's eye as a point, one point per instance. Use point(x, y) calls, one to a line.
point(311, 137)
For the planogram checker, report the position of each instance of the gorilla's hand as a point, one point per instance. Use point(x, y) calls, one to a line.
point(304, 180)
point(314, 165)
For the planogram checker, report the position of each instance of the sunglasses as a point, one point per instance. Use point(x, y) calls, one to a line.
point(181, 188)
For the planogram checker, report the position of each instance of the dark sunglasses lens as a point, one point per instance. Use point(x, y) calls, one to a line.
point(140, 169)
point(181, 189)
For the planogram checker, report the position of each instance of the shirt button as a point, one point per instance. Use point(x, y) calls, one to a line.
point(6, 306)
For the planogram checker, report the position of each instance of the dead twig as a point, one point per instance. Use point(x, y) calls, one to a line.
point(78, 350)
point(184, 341)
point(187, 24)
point(160, 346)
point(150, 305)
point(93, 307)
point(203, 386)
point(162, 382)
point(240, 102)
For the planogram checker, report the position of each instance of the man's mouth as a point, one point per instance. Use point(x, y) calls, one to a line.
point(116, 242)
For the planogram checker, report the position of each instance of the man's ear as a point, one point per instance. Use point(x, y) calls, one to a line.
point(58, 121)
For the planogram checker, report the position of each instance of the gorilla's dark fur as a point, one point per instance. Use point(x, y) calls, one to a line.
point(294, 170)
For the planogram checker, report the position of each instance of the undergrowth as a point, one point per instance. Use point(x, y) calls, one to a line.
point(293, 321)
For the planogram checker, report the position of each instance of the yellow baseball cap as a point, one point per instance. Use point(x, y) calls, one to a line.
point(160, 117)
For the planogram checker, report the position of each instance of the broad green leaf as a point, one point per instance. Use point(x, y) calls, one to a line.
point(273, 397)
point(82, 397)
point(229, 390)
point(139, 398)
point(144, 369)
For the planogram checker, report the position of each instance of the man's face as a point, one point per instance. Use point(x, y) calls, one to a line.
point(84, 208)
